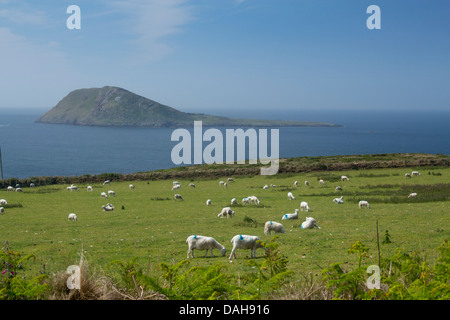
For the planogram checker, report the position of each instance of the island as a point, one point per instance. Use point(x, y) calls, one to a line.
point(114, 106)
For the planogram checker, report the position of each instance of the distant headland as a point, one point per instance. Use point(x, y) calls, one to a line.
point(114, 106)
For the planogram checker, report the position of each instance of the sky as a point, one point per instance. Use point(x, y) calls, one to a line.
point(216, 55)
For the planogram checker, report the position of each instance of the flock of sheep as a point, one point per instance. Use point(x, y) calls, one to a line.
point(249, 242)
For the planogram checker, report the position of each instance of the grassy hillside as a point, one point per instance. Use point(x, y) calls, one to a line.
point(113, 106)
point(149, 224)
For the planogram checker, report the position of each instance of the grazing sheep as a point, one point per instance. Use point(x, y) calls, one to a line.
point(178, 196)
point(3, 202)
point(321, 182)
point(310, 223)
point(413, 194)
point(111, 193)
point(203, 243)
point(344, 178)
point(19, 190)
point(225, 185)
point(103, 195)
point(415, 173)
point(254, 200)
point(273, 226)
point(306, 183)
point(72, 216)
point(338, 200)
point(245, 242)
point(245, 200)
point(304, 206)
point(89, 188)
point(208, 202)
point(364, 204)
point(290, 196)
point(72, 187)
point(266, 186)
point(338, 188)
point(230, 179)
point(290, 216)
point(295, 183)
point(2, 209)
point(131, 186)
point(226, 212)
point(32, 185)
point(221, 183)
point(106, 182)
point(10, 188)
point(192, 185)
point(233, 201)
point(407, 175)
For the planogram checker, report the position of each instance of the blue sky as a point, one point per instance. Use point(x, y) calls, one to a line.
point(210, 55)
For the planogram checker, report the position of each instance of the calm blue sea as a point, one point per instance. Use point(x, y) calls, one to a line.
point(30, 149)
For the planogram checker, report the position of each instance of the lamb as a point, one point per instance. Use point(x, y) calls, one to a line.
point(32, 185)
point(89, 188)
point(364, 203)
point(413, 194)
point(203, 243)
point(2, 209)
point(19, 190)
point(245, 242)
point(230, 179)
point(72, 216)
point(245, 200)
point(10, 188)
point(131, 186)
point(273, 226)
point(106, 182)
point(338, 200)
point(295, 183)
point(111, 193)
point(103, 195)
point(226, 212)
point(208, 202)
point(108, 207)
point(221, 183)
point(338, 188)
point(233, 201)
point(176, 186)
point(304, 206)
point(415, 173)
point(407, 175)
point(290, 216)
point(290, 196)
point(309, 223)
point(266, 186)
point(344, 178)
point(253, 199)
point(3, 202)
point(178, 196)
point(306, 183)
point(192, 185)
point(321, 182)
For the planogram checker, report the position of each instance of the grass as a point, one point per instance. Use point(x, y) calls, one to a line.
point(147, 223)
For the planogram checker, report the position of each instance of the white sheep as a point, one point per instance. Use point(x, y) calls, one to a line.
point(178, 196)
point(407, 175)
point(412, 195)
point(309, 223)
point(233, 201)
point(321, 182)
point(226, 212)
point(72, 216)
point(364, 204)
point(3, 202)
point(254, 199)
point(338, 188)
point(245, 242)
point(203, 243)
point(221, 183)
point(230, 179)
point(290, 196)
point(89, 188)
point(304, 206)
point(306, 183)
point(19, 190)
point(225, 185)
point(32, 185)
point(344, 178)
point(273, 226)
point(108, 207)
point(106, 182)
point(131, 186)
point(208, 202)
point(10, 188)
point(415, 173)
point(245, 200)
point(192, 185)
point(290, 216)
point(176, 186)
point(111, 193)
point(103, 195)
point(338, 200)
point(295, 183)
point(266, 186)
point(2, 209)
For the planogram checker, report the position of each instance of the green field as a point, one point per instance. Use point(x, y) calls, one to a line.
point(149, 224)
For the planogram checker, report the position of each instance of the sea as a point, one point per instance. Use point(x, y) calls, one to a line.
point(31, 149)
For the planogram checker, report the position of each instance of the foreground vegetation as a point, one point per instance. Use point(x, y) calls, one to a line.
point(139, 251)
